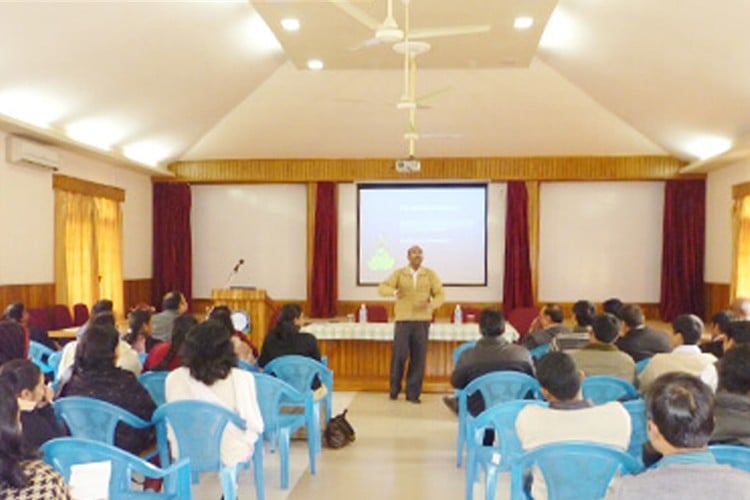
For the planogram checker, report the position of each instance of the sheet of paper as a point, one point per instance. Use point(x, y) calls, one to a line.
point(90, 481)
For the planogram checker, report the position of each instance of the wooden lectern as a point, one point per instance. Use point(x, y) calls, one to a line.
point(255, 302)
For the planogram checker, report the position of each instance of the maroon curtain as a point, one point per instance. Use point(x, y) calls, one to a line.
point(517, 290)
point(323, 288)
point(683, 248)
point(172, 252)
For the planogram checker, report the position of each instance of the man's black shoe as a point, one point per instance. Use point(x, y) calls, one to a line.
point(452, 403)
point(414, 400)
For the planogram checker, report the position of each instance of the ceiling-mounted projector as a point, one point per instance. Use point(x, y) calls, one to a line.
point(408, 166)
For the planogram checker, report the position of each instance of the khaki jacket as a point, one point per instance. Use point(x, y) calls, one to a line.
point(428, 289)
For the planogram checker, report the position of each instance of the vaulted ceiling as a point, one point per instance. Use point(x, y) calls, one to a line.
point(155, 82)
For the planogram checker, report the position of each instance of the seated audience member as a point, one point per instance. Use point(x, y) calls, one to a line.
point(685, 357)
point(717, 334)
point(100, 306)
point(492, 353)
point(545, 327)
point(612, 306)
point(601, 356)
point(640, 341)
point(95, 375)
point(14, 344)
point(18, 313)
point(173, 304)
point(139, 330)
point(38, 421)
point(23, 475)
point(127, 358)
point(165, 356)
point(242, 345)
point(210, 374)
point(583, 313)
point(732, 409)
point(740, 307)
point(738, 332)
point(680, 415)
point(569, 416)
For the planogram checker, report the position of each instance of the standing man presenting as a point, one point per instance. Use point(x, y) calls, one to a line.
point(418, 293)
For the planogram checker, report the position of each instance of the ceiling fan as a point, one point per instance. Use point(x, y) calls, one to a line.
point(388, 31)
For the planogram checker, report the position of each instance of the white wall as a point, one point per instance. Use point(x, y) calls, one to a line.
point(719, 220)
point(27, 217)
point(264, 224)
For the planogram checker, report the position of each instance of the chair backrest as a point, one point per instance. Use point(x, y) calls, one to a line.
point(500, 387)
point(579, 470)
point(521, 318)
point(80, 314)
point(502, 418)
point(198, 427)
point(63, 453)
point(299, 371)
point(376, 314)
point(641, 365)
point(155, 383)
point(604, 388)
point(90, 418)
point(736, 456)
point(540, 350)
point(38, 318)
point(271, 392)
point(40, 355)
point(61, 317)
point(638, 430)
point(460, 349)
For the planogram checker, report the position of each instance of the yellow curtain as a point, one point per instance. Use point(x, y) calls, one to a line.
point(741, 235)
point(109, 248)
point(532, 190)
point(76, 266)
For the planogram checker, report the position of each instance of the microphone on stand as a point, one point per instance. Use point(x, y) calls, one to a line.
point(238, 265)
point(234, 271)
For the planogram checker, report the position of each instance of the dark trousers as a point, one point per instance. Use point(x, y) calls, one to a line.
point(409, 341)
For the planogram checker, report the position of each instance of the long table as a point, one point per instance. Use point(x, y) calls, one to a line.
point(360, 353)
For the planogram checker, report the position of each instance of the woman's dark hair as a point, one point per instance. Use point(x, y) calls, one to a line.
point(223, 315)
point(20, 374)
point(682, 408)
point(136, 320)
point(722, 319)
point(180, 327)
point(104, 318)
point(12, 341)
point(96, 349)
point(285, 326)
point(12, 448)
point(14, 311)
point(734, 370)
point(208, 352)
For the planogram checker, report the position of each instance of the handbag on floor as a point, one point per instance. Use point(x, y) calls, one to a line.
point(339, 432)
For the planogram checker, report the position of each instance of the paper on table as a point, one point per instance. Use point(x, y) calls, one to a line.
point(90, 481)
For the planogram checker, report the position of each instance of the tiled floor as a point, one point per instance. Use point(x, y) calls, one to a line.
point(403, 451)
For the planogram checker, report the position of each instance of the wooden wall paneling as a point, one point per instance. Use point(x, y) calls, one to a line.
point(495, 169)
point(717, 298)
point(137, 292)
point(32, 295)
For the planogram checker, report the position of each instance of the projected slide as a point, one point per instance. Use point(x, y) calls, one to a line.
point(449, 222)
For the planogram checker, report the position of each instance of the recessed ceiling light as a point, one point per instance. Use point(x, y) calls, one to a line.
point(523, 22)
point(315, 64)
point(290, 24)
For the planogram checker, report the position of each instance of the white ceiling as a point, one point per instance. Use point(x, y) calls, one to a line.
point(209, 80)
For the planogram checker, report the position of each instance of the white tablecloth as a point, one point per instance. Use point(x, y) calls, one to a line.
point(384, 331)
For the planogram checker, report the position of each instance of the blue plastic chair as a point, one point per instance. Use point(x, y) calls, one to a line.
point(155, 382)
point(493, 459)
point(579, 470)
point(142, 356)
point(299, 372)
point(460, 349)
point(638, 430)
point(540, 350)
point(495, 387)
point(602, 389)
point(241, 363)
point(198, 427)
point(734, 455)
point(94, 419)
point(39, 354)
point(641, 365)
point(273, 393)
point(63, 453)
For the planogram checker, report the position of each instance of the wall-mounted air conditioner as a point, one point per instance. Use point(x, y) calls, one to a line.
point(21, 151)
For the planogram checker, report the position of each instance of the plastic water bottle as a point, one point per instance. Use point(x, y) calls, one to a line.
point(363, 314)
point(458, 315)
